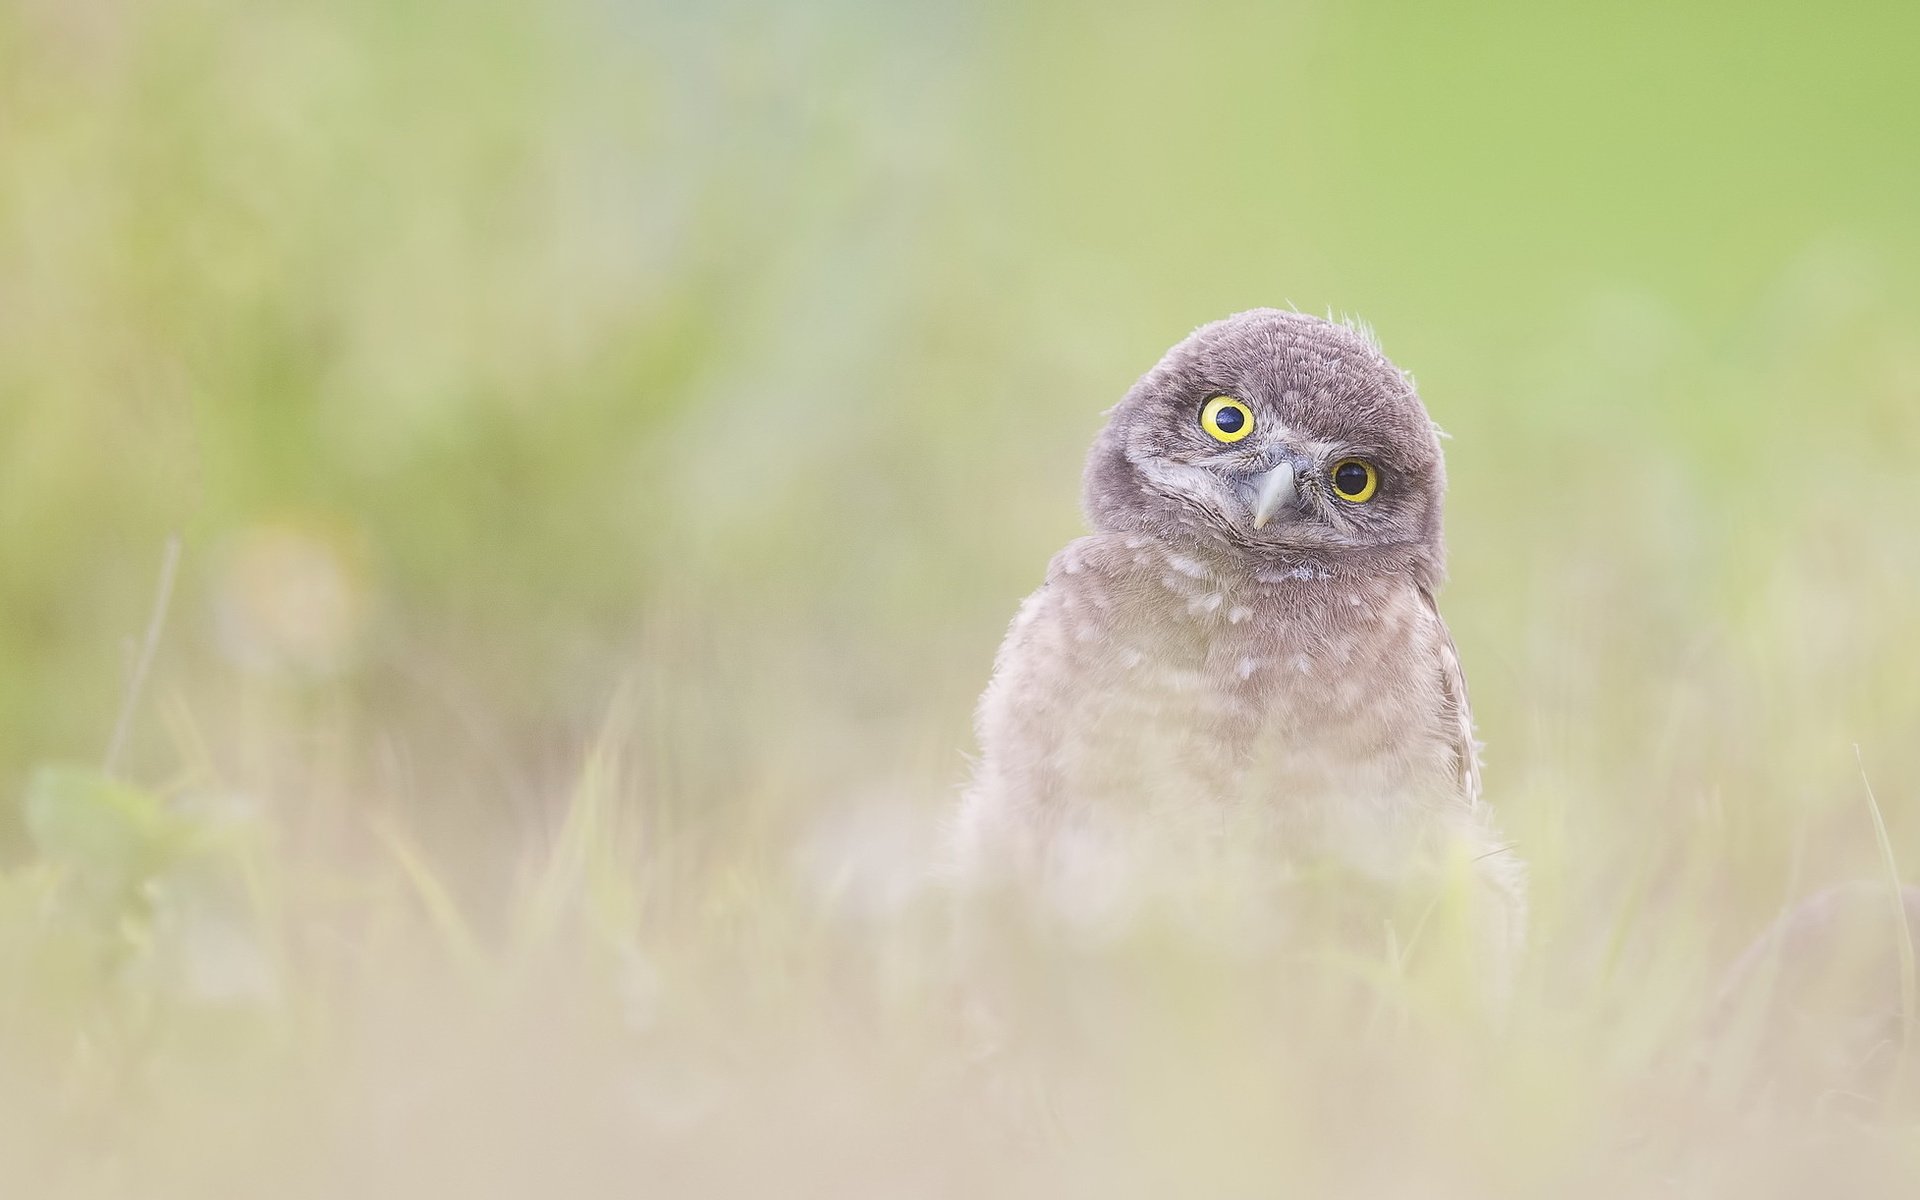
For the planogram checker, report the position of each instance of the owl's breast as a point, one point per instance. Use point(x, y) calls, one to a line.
point(1155, 724)
point(1160, 684)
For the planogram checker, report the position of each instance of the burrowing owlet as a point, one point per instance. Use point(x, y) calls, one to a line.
point(1241, 671)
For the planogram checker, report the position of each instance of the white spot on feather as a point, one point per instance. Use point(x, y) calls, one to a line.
point(1302, 572)
point(1238, 613)
point(1247, 667)
point(1303, 664)
point(1189, 566)
point(1204, 604)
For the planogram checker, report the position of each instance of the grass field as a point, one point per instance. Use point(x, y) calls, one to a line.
point(607, 439)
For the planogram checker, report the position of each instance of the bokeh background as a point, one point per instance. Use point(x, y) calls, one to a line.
point(696, 389)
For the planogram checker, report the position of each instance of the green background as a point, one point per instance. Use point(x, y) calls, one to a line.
point(744, 355)
point(609, 439)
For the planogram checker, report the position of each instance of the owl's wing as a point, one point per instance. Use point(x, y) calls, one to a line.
point(1458, 714)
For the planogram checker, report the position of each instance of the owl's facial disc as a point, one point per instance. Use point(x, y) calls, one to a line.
point(1273, 492)
point(1273, 435)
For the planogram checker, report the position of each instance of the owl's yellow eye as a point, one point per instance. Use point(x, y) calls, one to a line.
point(1226, 419)
point(1355, 479)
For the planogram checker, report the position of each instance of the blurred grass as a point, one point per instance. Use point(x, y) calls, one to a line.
point(728, 370)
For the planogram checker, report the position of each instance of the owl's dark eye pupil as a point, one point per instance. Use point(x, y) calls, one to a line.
point(1229, 419)
point(1351, 478)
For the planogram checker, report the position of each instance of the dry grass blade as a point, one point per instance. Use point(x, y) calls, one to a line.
point(1896, 898)
point(149, 645)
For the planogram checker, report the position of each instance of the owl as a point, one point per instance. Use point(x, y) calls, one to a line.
point(1240, 674)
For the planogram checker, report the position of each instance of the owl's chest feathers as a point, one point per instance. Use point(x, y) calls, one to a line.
point(1273, 690)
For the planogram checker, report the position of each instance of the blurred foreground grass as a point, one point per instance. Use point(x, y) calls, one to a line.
point(610, 439)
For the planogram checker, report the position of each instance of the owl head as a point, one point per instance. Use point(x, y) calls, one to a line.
point(1279, 437)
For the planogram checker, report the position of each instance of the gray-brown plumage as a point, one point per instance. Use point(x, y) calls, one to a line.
point(1241, 671)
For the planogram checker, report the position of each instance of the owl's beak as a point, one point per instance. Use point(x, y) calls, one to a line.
point(1275, 492)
